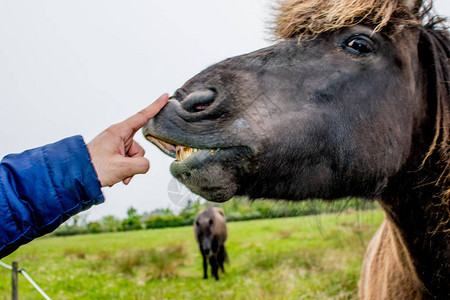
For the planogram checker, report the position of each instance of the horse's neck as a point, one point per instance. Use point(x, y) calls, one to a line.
point(419, 244)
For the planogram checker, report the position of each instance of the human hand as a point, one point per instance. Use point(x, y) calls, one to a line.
point(115, 155)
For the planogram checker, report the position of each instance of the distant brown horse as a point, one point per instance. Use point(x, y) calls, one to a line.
point(211, 233)
point(353, 101)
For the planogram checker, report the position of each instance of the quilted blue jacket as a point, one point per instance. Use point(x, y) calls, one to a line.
point(43, 187)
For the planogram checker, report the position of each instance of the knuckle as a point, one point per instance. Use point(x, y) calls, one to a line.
point(113, 128)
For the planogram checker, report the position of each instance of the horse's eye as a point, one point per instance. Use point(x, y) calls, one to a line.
point(360, 44)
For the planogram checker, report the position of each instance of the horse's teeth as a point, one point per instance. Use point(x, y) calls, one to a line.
point(184, 152)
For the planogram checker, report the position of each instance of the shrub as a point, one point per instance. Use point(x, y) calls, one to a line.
point(234, 216)
point(94, 227)
point(133, 223)
point(163, 221)
point(70, 230)
point(110, 223)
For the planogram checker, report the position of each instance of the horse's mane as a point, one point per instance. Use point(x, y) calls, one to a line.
point(309, 18)
point(434, 51)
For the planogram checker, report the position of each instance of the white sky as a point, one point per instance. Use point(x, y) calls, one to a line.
point(75, 67)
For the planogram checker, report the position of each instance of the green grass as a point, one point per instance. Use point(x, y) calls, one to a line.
point(315, 257)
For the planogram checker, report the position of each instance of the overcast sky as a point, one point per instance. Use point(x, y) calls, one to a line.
point(76, 67)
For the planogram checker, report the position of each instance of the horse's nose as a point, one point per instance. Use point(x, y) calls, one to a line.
point(200, 100)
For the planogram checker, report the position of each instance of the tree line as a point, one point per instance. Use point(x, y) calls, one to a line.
point(237, 209)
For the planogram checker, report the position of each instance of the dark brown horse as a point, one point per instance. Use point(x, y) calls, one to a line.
point(210, 231)
point(353, 101)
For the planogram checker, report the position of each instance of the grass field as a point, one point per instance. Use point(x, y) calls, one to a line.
point(315, 257)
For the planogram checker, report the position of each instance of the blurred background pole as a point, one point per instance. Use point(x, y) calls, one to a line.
point(15, 281)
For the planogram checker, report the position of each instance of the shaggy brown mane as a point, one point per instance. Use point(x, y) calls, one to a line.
point(435, 55)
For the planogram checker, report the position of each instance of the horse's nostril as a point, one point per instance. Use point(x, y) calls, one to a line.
point(199, 100)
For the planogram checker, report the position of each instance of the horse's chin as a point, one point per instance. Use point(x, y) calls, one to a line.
point(212, 174)
point(213, 194)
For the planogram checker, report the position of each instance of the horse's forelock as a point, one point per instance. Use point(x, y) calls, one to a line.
point(309, 18)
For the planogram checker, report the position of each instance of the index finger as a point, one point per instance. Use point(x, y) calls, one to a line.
point(138, 120)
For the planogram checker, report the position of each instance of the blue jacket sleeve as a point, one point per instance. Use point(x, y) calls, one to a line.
point(43, 187)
